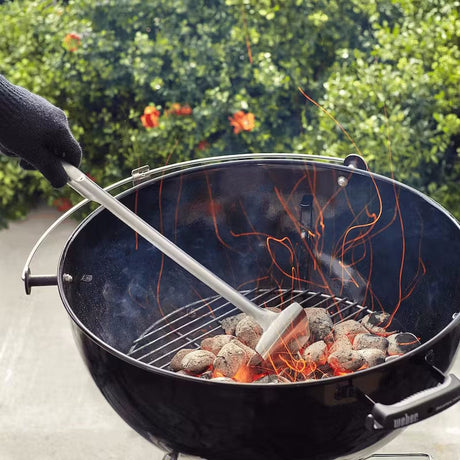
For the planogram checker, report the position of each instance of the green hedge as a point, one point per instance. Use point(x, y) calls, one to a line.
point(359, 59)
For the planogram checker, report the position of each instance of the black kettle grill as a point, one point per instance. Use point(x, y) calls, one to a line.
point(278, 227)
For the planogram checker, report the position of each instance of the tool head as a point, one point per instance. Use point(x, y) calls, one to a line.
point(290, 324)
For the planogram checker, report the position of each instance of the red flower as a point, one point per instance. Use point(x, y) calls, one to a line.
point(242, 121)
point(185, 110)
point(150, 117)
point(62, 204)
point(181, 110)
point(203, 145)
point(72, 42)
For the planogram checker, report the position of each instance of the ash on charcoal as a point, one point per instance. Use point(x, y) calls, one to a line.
point(342, 343)
point(319, 323)
point(271, 378)
point(229, 359)
point(376, 322)
point(401, 343)
point(362, 341)
point(346, 360)
point(215, 344)
point(248, 331)
point(316, 353)
point(349, 328)
point(250, 352)
point(176, 362)
point(373, 356)
point(256, 360)
point(198, 361)
point(229, 324)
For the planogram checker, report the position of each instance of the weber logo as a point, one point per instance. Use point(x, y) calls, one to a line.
point(405, 420)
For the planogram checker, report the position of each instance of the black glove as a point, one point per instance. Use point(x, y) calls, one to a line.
point(36, 131)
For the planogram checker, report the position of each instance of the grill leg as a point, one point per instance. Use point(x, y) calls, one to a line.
point(171, 456)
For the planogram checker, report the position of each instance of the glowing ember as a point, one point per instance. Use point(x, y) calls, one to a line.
point(332, 350)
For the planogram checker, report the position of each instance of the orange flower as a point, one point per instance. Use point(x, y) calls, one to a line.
point(242, 121)
point(177, 109)
point(150, 117)
point(72, 42)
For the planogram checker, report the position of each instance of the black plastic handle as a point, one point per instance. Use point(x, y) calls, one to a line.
point(38, 280)
point(416, 407)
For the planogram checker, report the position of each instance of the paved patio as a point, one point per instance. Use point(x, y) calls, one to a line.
point(50, 409)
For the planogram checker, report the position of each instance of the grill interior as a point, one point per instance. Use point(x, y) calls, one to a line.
point(187, 326)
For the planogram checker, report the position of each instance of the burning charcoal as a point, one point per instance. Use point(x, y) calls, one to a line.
point(248, 331)
point(256, 360)
point(214, 344)
point(323, 372)
point(181, 372)
point(229, 324)
point(376, 322)
point(363, 341)
point(176, 362)
point(316, 353)
point(346, 360)
point(342, 343)
point(350, 328)
point(229, 359)
point(206, 375)
point(319, 323)
point(198, 361)
point(250, 352)
point(373, 356)
point(401, 343)
point(271, 378)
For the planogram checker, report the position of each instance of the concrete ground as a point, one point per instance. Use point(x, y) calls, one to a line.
point(50, 408)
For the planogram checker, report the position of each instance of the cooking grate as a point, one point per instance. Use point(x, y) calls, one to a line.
point(187, 326)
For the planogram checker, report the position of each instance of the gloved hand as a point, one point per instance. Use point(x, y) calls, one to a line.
point(36, 131)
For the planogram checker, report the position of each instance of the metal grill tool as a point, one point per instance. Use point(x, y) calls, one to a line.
point(187, 326)
point(277, 327)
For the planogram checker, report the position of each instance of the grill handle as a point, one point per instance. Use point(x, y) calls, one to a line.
point(416, 407)
point(38, 280)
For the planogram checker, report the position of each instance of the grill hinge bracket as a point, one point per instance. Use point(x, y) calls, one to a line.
point(140, 175)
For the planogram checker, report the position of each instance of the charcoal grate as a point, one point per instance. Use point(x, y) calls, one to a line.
point(187, 326)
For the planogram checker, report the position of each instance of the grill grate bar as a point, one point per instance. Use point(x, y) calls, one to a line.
point(189, 325)
point(189, 334)
point(170, 353)
point(187, 319)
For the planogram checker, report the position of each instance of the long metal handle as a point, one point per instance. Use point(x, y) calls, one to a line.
point(89, 189)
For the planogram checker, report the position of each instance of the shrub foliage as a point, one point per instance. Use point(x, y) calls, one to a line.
point(150, 82)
